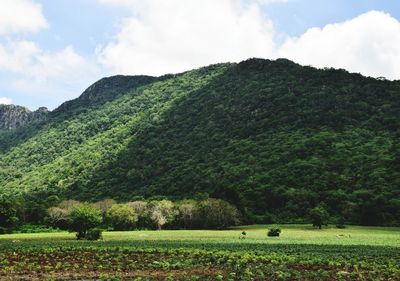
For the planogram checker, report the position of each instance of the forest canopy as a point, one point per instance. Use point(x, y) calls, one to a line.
point(273, 138)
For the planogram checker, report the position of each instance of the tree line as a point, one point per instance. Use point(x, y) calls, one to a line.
point(139, 214)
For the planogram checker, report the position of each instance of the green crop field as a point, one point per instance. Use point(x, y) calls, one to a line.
point(300, 253)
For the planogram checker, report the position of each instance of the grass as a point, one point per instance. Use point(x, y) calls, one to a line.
point(291, 234)
point(300, 253)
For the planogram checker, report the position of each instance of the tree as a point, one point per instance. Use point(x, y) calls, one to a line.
point(8, 211)
point(162, 212)
point(68, 205)
point(104, 206)
point(319, 216)
point(122, 217)
point(58, 217)
point(218, 214)
point(84, 217)
point(140, 207)
point(142, 210)
point(189, 213)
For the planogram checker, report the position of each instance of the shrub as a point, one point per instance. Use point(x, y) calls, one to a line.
point(122, 217)
point(30, 228)
point(341, 226)
point(94, 234)
point(274, 232)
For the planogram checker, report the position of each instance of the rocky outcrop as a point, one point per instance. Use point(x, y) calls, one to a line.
point(14, 116)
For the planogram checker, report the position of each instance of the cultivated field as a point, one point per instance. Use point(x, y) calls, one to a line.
point(301, 253)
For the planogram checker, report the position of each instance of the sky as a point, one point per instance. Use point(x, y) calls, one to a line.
point(52, 50)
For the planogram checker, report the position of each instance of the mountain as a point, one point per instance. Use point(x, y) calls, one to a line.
point(273, 137)
point(14, 116)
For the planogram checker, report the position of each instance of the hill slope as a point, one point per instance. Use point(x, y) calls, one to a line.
point(273, 137)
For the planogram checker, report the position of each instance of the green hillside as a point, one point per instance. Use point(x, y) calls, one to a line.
point(275, 138)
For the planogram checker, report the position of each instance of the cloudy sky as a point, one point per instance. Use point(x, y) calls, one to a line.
point(51, 50)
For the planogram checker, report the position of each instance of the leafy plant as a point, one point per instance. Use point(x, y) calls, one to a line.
point(94, 234)
point(274, 232)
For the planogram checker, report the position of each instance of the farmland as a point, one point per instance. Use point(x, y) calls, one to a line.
point(300, 253)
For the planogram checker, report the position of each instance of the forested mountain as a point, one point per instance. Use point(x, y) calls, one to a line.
point(272, 137)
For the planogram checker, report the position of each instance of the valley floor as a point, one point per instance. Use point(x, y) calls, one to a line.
point(300, 253)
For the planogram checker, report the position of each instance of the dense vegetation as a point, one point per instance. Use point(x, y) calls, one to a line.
point(274, 138)
point(156, 214)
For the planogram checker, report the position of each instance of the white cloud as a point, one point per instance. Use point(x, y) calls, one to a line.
point(267, 2)
point(163, 36)
point(4, 100)
point(62, 74)
point(128, 3)
point(369, 44)
point(57, 75)
point(21, 16)
point(18, 56)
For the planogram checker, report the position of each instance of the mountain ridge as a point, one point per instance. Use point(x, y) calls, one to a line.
point(273, 137)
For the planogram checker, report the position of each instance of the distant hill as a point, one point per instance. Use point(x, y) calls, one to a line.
point(273, 137)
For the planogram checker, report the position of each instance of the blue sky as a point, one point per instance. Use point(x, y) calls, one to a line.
point(50, 51)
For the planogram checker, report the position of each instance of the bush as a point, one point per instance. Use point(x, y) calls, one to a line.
point(31, 228)
point(94, 234)
point(274, 232)
point(122, 217)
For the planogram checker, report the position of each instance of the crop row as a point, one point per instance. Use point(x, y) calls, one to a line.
point(185, 264)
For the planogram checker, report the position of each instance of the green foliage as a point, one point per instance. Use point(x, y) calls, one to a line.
point(273, 138)
point(274, 232)
point(319, 216)
point(122, 217)
point(84, 217)
point(94, 234)
point(218, 214)
point(162, 212)
point(8, 211)
point(29, 228)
